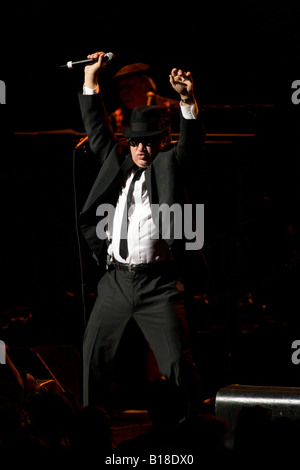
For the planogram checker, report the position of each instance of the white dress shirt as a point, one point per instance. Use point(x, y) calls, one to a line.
point(144, 244)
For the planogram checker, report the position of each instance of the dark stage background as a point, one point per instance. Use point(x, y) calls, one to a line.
point(244, 58)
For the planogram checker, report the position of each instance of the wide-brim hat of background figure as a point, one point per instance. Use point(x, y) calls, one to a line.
point(146, 121)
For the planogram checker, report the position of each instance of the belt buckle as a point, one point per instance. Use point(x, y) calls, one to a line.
point(130, 269)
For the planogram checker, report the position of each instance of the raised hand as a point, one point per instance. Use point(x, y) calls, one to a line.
point(92, 71)
point(182, 82)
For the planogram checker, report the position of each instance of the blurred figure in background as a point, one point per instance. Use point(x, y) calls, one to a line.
point(136, 88)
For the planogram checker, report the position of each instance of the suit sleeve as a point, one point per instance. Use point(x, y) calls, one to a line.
point(96, 124)
point(191, 141)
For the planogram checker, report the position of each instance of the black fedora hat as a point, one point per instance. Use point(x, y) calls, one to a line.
point(145, 121)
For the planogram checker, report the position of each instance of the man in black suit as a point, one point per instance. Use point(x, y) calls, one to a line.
point(138, 174)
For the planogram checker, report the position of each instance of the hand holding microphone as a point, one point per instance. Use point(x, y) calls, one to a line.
point(92, 58)
point(93, 65)
point(92, 71)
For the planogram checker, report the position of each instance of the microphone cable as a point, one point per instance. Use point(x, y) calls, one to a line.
point(77, 231)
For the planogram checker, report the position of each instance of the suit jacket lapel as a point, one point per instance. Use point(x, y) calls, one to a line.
point(111, 173)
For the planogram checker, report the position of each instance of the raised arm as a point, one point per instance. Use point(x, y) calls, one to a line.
point(95, 119)
point(192, 135)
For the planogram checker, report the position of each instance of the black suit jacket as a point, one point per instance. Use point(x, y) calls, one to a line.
point(165, 177)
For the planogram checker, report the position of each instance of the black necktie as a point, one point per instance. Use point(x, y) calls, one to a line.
point(123, 239)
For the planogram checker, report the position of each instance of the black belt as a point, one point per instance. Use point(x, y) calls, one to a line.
point(142, 268)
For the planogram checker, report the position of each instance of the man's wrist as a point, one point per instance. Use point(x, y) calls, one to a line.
point(91, 81)
point(187, 100)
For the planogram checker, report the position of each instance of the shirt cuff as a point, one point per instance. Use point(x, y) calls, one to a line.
point(189, 112)
point(90, 91)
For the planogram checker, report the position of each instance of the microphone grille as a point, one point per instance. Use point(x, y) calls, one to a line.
point(109, 56)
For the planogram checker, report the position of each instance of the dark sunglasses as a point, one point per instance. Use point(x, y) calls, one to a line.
point(144, 142)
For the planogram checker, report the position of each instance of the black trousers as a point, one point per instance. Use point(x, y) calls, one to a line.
point(157, 306)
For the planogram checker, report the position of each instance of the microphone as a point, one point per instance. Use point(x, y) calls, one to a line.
point(107, 58)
